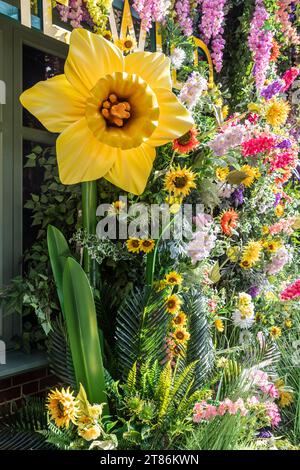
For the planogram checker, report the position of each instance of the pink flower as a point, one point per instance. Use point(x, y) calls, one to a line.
point(273, 412)
point(270, 389)
point(222, 408)
point(259, 144)
point(291, 292)
point(252, 401)
point(260, 43)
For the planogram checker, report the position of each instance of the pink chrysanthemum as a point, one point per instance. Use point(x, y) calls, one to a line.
point(291, 292)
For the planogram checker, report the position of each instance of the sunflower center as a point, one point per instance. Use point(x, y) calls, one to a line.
point(184, 139)
point(180, 181)
point(135, 243)
point(171, 303)
point(179, 335)
point(146, 243)
point(128, 44)
point(115, 112)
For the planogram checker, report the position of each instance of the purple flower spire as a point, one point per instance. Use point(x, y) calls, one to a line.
point(253, 291)
point(273, 89)
point(238, 195)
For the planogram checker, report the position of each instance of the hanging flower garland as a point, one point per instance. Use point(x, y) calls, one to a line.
point(211, 27)
point(183, 16)
point(151, 10)
point(260, 42)
point(92, 12)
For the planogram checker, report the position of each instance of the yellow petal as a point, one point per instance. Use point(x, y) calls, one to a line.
point(81, 157)
point(55, 103)
point(132, 168)
point(153, 67)
point(174, 119)
point(90, 58)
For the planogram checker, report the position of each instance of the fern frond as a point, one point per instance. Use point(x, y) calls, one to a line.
point(182, 382)
point(60, 438)
point(131, 379)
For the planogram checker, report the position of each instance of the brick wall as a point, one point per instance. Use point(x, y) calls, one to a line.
point(14, 389)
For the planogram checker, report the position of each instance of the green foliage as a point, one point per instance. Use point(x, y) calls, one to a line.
point(200, 347)
point(141, 329)
point(155, 404)
point(19, 430)
point(81, 321)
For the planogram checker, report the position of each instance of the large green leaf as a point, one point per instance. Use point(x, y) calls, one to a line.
point(59, 252)
point(83, 334)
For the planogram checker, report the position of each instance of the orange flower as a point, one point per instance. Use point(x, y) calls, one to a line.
point(275, 51)
point(186, 142)
point(228, 221)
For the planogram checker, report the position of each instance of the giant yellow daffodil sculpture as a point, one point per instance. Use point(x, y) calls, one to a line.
point(111, 112)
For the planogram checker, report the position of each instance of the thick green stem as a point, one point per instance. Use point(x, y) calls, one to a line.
point(89, 221)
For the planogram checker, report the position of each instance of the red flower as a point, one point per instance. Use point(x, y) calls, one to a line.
point(258, 144)
point(291, 291)
point(186, 142)
point(228, 221)
point(290, 76)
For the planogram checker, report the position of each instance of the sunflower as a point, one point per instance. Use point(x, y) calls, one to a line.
point(133, 245)
point(219, 325)
point(63, 407)
point(181, 335)
point(186, 142)
point(222, 173)
point(127, 44)
point(107, 35)
point(173, 279)
point(251, 254)
point(180, 319)
point(277, 112)
point(180, 181)
point(147, 245)
point(228, 221)
point(275, 332)
point(252, 174)
point(272, 245)
point(173, 304)
point(111, 112)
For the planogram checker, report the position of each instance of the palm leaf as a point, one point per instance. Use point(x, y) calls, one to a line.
point(200, 346)
point(141, 329)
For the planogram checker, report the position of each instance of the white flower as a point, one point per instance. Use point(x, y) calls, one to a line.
point(192, 90)
point(242, 321)
point(177, 58)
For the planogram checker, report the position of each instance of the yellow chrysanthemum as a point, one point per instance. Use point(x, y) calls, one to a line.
point(275, 332)
point(285, 398)
point(63, 407)
point(270, 296)
point(133, 245)
point(225, 111)
point(277, 112)
point(219, 325)
point(288, 323)
point(180, 181)
point(180, 319)
point(252, 174)
point(89, 433)
point(251, 254)
point(265, 230)
point(127, 44)
point(173, 278)
point(221, 173)
point(245, 305)
point(147, 245)
point(181, 335)
point(173, 304)
point(279, 210)
point(233, 253)
point(111, 112)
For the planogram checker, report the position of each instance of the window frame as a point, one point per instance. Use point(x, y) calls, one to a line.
point(11, 153)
